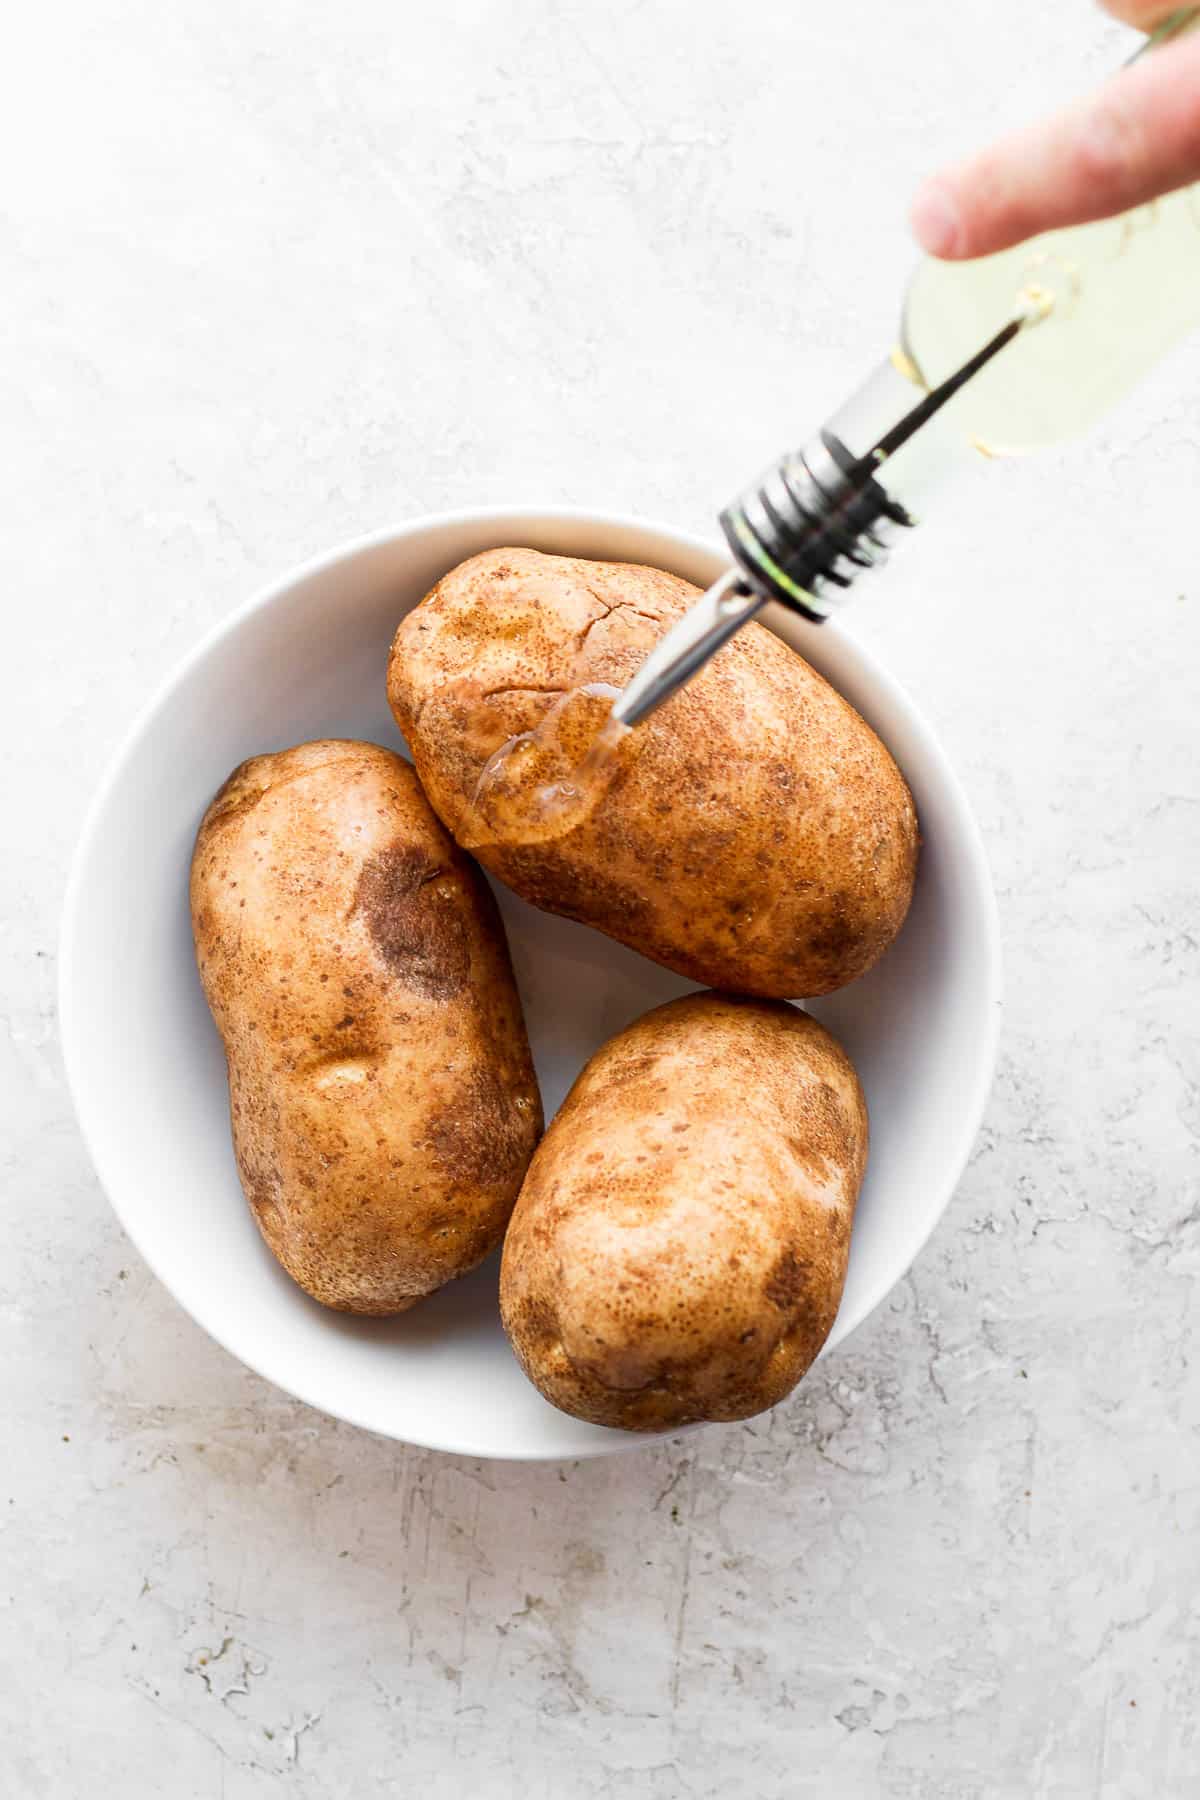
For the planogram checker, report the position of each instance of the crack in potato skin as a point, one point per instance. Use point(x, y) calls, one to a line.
point(756, 835)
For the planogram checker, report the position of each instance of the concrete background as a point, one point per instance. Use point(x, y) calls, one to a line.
point(275, 275)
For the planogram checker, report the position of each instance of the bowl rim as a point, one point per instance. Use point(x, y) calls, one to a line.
point(273, 592)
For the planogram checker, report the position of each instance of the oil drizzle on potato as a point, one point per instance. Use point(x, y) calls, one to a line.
point(543, 783)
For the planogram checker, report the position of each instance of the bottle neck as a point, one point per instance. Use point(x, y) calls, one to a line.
point(824, 513)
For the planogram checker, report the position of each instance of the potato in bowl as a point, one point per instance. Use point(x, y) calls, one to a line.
point(679, 1247)
point(382, 1095)
point(755, 835)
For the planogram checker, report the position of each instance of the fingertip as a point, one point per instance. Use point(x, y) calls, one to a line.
point(1144, 14)
point(936, 221)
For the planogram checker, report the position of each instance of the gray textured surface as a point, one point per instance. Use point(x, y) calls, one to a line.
point(278, 274)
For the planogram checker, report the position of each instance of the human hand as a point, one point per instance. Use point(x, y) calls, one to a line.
point(1136, 137)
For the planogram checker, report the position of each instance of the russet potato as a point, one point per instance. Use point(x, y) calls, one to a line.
point(383, 1099)
point(680, 1243)
point(753, 834)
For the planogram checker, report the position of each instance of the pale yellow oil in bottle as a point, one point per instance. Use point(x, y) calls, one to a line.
point(1120, 294)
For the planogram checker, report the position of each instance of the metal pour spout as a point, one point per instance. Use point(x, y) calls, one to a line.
point(803, 532)
point(689, 644)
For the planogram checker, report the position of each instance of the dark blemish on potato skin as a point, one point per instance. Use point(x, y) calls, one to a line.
point(539, 1318)
point(543, 877)
point(422, 939)
point(481, 1136)
point(787, 1283)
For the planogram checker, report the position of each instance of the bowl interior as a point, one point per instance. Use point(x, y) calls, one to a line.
point(307, 660)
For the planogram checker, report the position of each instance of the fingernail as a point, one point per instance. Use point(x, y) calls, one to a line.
point(936, 221)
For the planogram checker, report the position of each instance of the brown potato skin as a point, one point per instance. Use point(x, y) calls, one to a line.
point(382, 1093)
point(679, 1247)
point(757, 836)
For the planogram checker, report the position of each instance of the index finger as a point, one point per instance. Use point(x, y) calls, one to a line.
point(1137, 137)
point(1147, 15)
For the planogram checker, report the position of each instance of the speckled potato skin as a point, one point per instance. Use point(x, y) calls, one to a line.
point(679, 1247)
point(757, 836)
point(382, 1094)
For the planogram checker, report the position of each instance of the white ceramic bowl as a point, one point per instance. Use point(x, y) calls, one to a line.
point(306, 659)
